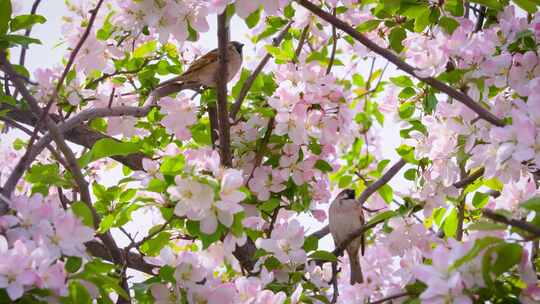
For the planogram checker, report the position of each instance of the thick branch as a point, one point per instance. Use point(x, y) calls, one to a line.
point(89, 114)
point(525, 226)
point(461, 97)
point(71, 161)
point(222, 76)
point(251, 79)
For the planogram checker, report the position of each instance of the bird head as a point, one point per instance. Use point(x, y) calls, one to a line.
point(347, 194)
point(238, 46)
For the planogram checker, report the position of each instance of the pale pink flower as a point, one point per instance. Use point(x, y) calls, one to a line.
point(286, 242)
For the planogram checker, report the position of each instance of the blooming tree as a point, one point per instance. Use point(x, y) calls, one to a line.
point(225, 175)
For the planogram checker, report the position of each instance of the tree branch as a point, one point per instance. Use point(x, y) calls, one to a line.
point(391, 297)
point(334, 46)
point(71, 162)
point(222, 76)
point(523, 225)
point(469, 179)
point(461, 97)
point(33, 11)
point(251, 79)
point(301, 42)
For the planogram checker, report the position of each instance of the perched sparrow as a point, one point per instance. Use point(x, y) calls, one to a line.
point(202, 72)
point(345, 217)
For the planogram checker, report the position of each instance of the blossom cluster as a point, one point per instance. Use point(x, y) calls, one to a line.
point(38, 237)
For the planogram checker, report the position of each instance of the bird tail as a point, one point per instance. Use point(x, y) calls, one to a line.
point(356, 270)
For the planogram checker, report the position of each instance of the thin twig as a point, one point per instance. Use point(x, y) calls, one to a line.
point(480, 20)
point(71, 60)
point(214, 128)
point(264, 142)
point(388, 54)
point(391, 297)
point(382, 181)
point(334, 46)
point(33, 11)
point(51, 149)
point(251, 79)
point(301, 42)
point(334, 282)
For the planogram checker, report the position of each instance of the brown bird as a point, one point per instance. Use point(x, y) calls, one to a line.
point(202, 72)
point(345, 217)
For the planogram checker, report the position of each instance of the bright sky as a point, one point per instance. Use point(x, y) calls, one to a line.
point(51, 51)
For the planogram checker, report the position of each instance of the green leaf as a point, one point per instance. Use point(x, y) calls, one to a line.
point(323, 166)
point(278, 53)
point(493, 4)
point(430, 102)
point(508, 255)
point(407, 153)
point(310, 243)
point(78, 293)
point(386, 193)
point(323, 255)
point(145, 49)
point(172, 165)
point(479, 245)
point(5, 14)
point(82, 211)
point(448, 24)
point(368, 26)
point(421, 20)
point(493, 184)
point(153, 246)
point(406, 109)
point(526, 5)
point(26, 22)
point(272, 263)
point(396, 37)
point(107, 147)
point(269, 205)
point(451, 223)
point(73, 264)
point(253, 18)
point(410, 174)
point(532, 204)
point(480, 199)
point(19, 39)
point(455, 7)
point(402, 81)
point(383, 216)
point(344, 181)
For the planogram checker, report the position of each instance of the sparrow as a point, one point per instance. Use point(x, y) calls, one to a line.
point(202, 72)
point(345, 217)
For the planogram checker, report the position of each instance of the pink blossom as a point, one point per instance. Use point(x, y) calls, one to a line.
point(179, 115)
point(286, 243)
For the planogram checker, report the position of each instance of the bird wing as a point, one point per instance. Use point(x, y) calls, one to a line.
point(202, 62)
